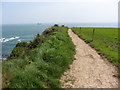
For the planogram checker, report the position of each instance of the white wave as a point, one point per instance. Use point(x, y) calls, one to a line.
point(19, 40)
point(1, 39)
point(8, 39)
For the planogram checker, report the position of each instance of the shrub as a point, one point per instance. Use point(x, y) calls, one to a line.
point(56, 25)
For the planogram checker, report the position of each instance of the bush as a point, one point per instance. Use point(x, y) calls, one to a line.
point(17, 52)
point(22, 44)
point(56, 25)
point(32, 44)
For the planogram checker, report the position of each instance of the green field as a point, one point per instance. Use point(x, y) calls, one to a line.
point(40, 63)
point(105, 41)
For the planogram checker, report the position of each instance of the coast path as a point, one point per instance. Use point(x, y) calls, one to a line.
point(88, 70)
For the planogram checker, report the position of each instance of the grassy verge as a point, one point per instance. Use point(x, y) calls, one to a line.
point(40, 66)
point(105, 41)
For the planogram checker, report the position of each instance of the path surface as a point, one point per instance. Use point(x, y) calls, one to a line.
point(88, 70)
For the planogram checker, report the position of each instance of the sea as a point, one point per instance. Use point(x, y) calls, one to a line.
point(14, 33)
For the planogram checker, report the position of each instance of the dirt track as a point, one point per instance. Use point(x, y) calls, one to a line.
point(88, 70)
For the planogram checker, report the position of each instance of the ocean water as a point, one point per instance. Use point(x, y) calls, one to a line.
point(27, 32)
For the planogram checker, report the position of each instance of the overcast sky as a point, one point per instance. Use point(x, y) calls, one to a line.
point(59, 11)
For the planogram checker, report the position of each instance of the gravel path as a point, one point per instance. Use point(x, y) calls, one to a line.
point(88, 70)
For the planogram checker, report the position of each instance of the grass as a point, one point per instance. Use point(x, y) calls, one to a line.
point(43, 65)
point(105, 41)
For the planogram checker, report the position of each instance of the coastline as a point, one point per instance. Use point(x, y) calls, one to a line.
point(40, 28)
point(44, 54)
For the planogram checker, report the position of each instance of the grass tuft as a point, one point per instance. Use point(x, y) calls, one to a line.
point(43, 65)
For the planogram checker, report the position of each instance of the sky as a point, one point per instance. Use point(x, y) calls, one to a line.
point(58, 11)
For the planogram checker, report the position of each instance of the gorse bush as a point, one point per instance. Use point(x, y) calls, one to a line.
point(23, 47)
point(19, 50)
point(42, 66)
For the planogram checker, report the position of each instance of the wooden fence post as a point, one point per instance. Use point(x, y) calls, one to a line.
point(93, 34)
point(80, 30)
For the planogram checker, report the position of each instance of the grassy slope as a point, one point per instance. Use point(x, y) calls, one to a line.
point(105, 41)
point(42, 66)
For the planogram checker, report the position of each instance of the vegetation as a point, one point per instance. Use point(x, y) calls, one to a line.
point(23, 47)
point(56, 25)
point(105, 41)
point(41, 62)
